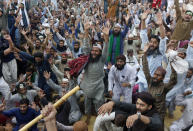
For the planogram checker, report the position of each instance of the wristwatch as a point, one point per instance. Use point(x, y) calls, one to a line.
point(139, 115)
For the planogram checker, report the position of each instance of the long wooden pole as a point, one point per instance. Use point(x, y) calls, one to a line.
point(57, 104)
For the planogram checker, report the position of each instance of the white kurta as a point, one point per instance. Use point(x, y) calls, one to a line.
point(117, 78)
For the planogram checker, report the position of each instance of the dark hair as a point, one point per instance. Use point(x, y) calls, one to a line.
point(121, 57)
point(155, 37)
point(38, 54)
point(24, 101)
point(191, 69)
point(29, 69)
point(146, 97)
point(76, 42)
point(61, 41)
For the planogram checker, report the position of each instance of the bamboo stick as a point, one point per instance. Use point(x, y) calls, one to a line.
point(57, 104)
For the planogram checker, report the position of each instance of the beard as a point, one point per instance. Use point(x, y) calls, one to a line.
point(39, 63)
point(93, 60)
point(119, 67)
point(37, 47)
point(63, 61)
point(155, 83)
point(116, 33)
point(76, 50)
point(152, 51)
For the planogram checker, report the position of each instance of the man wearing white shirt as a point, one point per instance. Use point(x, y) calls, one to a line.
point(121, 80)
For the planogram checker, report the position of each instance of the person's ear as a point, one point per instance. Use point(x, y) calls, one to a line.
point(149, 107)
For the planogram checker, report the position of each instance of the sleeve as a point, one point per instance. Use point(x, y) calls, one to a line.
point(12, 32)
point(146, 69)
point(86, 46)
point(144, 38)
point(54, 86)
point(155, 122)
point(178, 12)
point(27, 56)
point(69, 44)
point(180, 100)
point(62, 127)
point(162, 46)
point(9, 113)
point(124, 33)
point(57, 72)
point(33, 93)
point(111, 79)
point(105, 52)
point(189, 52)
point(1, 54)
point(172, 82)
point(12, 98)
point(101, 119)
point(132, 76)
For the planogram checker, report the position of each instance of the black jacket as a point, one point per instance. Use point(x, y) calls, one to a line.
point(130, 109)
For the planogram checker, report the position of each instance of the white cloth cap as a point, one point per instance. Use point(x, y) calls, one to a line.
point(98, 46)
point(118, 25)
point(188, 89)
point(65, 80)
point(46, 25)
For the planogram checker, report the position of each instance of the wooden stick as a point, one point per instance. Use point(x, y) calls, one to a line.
point(57, 104)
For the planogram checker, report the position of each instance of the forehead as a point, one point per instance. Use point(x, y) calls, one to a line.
point(116, 28)
point(190, 71)
point(23, 105)
point(95, 49)
point(153, 39)
point(139, 101)
point(120, 60)
point(158, 72)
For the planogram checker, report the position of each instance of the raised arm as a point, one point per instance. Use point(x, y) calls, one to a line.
point(172, 82)
point(162, 44)
point(106, 37)
point(52, 84)
point(124, 33)
point(189, 51)
point(86, 40)
point(29, 41)
point(27, 56)
point(111, 79)
point(146, 68)
point(178, 11)
point(143, 32)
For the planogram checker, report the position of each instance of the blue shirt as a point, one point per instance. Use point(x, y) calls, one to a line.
point(22, 118)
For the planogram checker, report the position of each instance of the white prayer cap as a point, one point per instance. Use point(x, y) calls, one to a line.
point(65, 80)
point(182, 50)
point(189, 7)
point(21, 86)
point(46, 25)
point(98, 46)
point(188, 89)
point(118, 25)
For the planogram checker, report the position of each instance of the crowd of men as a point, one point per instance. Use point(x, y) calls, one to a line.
point(133, 60)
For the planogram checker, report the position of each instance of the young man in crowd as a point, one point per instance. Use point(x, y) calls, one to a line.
point(121, 80)
point(141, 116)
point(23, 114)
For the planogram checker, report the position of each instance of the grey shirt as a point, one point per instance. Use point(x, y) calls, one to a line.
point(92, 82)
